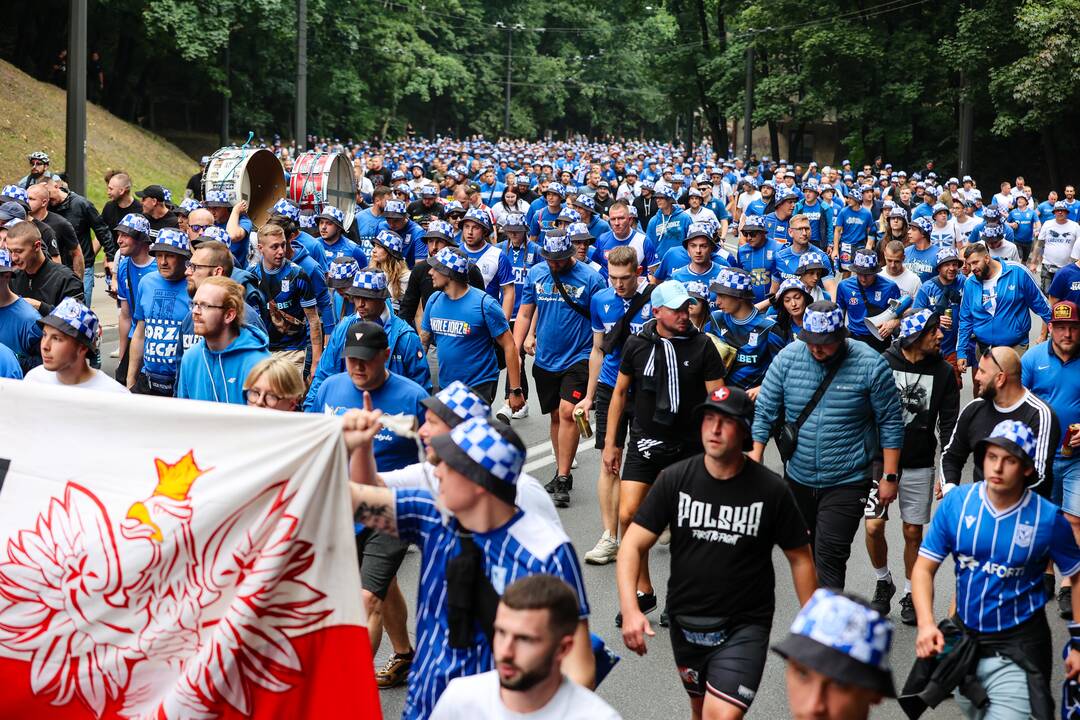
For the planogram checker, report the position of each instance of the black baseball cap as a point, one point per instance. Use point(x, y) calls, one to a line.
point(365, 340)
point(152, 191)
point(733, 402)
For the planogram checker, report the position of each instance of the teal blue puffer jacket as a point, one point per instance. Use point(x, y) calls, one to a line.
point(859, 413)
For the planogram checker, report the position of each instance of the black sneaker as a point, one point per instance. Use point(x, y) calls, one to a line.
point(907, 610)
point(1065, 603)
point(882, 595)
point(560, 493)
point(550, 487)
point(646, 603)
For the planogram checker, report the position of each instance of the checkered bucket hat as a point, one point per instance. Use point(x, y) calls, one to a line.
point(866, 260)
point(946, 254)
point(479, 217)
point(456, 403)
point(912, 326)
point(823, 322)
point(490, 455)
point(556, 246)
point(14, 192)
point(285, 208)
point(331, 213)
point(734, 282)
point(451, 261)
point(394, 207)
point(5, 261)
point(218, 198)
point(135, 225)
point(1014, 437)
point(753, 223)
point(568, 214)
point(391, 242)
point(73, 318)
point(584, 201)
point(341, 272)
point(440, 229)
point(215, 233)
point(172, 240)
point(189, 205)
point(369, 284)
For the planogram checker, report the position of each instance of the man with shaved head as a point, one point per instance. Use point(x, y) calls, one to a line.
point(1001, 396)
point(37, 197)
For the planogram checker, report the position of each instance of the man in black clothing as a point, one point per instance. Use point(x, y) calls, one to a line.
point(427, 208)
point(671, 366)
point(120, 202)
point(439, 235)
point(19, 200)
point(645, 204)
point(37, 198)
point(155, 208)
point(726, 513)
point(40, 281)
point(84, 217)
point(1002, 397)
point(194, 186)
point(929, 396)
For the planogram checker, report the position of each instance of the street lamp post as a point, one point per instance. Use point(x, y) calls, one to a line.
point(509, 57)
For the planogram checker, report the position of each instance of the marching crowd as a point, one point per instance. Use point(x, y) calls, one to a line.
point(690, 308)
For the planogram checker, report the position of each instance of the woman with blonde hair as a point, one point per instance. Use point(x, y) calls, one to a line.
point(274, 383)
point(388, 257)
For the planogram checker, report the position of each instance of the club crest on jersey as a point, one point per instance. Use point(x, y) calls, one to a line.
point(498, 579)
point(1024, 535)
point(753, 338)
point(969, 520)
point(285, 285)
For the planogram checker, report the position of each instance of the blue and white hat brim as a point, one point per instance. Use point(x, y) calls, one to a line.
point(498, 466)
point(1012, 436)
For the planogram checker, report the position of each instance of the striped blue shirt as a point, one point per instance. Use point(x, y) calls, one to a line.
point(527, 545)
point(1000, 554)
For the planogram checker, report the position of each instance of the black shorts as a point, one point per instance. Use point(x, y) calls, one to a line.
point(730, 671)
point(646, 457)
point(569, 384)
point(380, 558)
point(600, 404)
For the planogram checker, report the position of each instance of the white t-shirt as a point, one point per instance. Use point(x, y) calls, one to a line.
point(747, 198)
point(965, 228)
point(477, 698)
point(908, 281)
point(531, 495)
point(99, 381)
point(1007, 251)
point(944, 236)
point(1059, 242)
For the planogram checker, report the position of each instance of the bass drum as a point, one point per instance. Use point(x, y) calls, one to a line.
point(252, 174)
point(320, 179)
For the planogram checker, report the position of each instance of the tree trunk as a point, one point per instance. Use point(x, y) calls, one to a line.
point(774, 140)
point(1050, 154)
point(717, 128)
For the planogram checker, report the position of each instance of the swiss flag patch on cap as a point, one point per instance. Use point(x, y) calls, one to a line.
point(720, 394)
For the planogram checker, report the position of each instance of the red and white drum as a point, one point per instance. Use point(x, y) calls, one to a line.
point(252, 174)
point(324, 178)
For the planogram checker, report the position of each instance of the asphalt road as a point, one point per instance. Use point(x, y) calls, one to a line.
point(648, 687)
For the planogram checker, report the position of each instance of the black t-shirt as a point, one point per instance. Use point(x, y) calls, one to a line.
point(48, 238)
point(168, 220)
point(722, 536)
point(423, 215)
point(112, 213)
point(66, 239)
point(195, 186)
point(698, 362)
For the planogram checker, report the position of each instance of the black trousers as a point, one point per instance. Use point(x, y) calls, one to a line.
point(833, 515)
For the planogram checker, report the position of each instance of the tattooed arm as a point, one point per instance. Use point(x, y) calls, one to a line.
point(374, 507)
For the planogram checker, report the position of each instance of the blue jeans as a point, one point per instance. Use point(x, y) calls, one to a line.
point(88, 284)
point(1067, 484)
point(1006, 685)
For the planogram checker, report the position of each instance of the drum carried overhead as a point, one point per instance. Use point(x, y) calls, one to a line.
point(252, 174)
point(320, 179)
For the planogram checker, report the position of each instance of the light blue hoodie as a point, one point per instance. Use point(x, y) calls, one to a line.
point(218, 375)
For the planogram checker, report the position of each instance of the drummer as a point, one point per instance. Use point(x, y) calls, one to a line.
point(332, 237)
point(233, 220)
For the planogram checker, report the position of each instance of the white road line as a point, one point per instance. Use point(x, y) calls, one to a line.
point(543, 448)
point(549, 459)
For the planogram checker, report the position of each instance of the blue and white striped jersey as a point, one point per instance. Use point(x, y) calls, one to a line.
point(527, 545)
point(1000, 555)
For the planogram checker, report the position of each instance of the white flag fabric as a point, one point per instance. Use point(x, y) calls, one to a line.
point(166, 558)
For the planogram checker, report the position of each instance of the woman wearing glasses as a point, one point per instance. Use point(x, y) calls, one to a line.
point(274, 383)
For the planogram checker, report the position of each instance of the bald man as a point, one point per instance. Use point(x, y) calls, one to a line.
point(1001, 396)
point(63, 234)
point(198, 220)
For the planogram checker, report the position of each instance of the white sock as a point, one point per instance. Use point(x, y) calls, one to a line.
point(907, 587)
point(883, 573)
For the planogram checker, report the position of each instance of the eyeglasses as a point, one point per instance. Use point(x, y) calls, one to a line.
point(801, 228)
point(990, 354)
point(254, 396)
point(36, 163)
point(198, 228)
point(201, 307)
point(194, 266)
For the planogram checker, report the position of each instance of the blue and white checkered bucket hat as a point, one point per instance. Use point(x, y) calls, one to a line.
point(915, 324)
point(188, 206)
point(557, 188)
point(456, 403)
point(73, 318)
point(946, 254)
point(734, 282)
point(556, 245)
point(753, 223)
point(866, 262)
point(394, 209)
point(452, 262)
point(308, 221)
point(341, 272)
point(428, 191)
point(391, 242)
point(369, 284)
point(842, 638)
point(514, 222)
point(568, 215)
point(135, 225)
point(440, 229)
point(823, 322)
point(665, 191)
point(217, 198)
point(286, 209)
point(585, 202)
point(172, 240)
point(490, 454)
point(1014, 437)
point(331, 213)
point(215, 233)
point(14, 193)
point(6, 265)
point(477, 216)
point(579, 232)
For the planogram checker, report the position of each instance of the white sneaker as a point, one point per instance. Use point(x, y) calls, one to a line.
point(665, 537)
point(522, 413)
point(604, 552)
point(115, 353)
point(504, 414)
point(573, 464)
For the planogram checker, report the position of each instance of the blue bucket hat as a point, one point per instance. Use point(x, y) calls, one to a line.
point(452, 262)
point(568, 215)
point(488, 453)
point(217, 198)
point(556, 245)
point(339, 275)
point(286, 209)
point(823, 322)
point(213, 232)
point(332, 214)
point(865, 262)
point(514, 222)
point(188, 206)
point(733, 282)
point(368, 284)
point(391, 242)
point(752, 224)
point(456, 403)
point(479, 217)
point(73, 318)
point(395, 209)
point(946, 254)
point(557, 188)
point(579, 232)
point(843, 638)
point(585, 203)
point(440, 229)
point(173, 241)
point(1014, 437)
point(135, 225)
point(914, 325)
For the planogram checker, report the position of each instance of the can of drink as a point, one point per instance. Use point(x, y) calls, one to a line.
point(583, 426)
point(1070, 433)
point(948, 312)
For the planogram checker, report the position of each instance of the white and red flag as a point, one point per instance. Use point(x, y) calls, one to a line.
point(175, 560)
